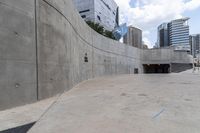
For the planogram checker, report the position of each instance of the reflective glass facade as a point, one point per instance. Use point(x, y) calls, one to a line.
point(163, 35)
point(174, 33)
point(179, 32)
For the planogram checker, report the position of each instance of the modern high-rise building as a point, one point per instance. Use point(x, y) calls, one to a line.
point(133, 37)
point(174, 33)
point(104, 12)
point(163, 37)
point(195, 44)
point(179, 32)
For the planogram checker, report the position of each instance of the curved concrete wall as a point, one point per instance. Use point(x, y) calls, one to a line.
point(43, 45)
point(64, 40)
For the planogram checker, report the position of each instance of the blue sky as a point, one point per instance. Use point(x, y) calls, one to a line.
point(148, 14)
point(194, 21)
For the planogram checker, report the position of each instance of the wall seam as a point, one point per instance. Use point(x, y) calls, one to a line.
point(93, 58)
point(36, 47)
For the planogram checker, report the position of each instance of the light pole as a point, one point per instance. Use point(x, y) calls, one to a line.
point(198, 59)
point(193, 64)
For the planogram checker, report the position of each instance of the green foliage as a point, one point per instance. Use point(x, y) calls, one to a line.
point(96, 26)
point(100, 29)
point(109, 34)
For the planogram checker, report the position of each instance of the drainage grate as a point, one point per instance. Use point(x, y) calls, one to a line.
point(20, 129)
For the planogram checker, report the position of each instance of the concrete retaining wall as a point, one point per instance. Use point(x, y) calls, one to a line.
point(17, 53)
point(65, 40)
point(165, 56)
point(43, 47)
point(180, 67)
point(46, 49)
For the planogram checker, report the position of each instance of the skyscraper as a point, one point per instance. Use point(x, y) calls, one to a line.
point(133, 37)
point(174, 33)
point(163, 35)
point(195, 44)
point(104, 12)
point(179, 32)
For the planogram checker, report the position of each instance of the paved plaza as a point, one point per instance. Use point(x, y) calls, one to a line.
point(47, 51)
point(126, 104)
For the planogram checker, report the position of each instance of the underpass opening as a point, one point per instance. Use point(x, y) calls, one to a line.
point(156, 68)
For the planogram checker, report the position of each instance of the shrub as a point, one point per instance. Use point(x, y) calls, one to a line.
point(100, 29)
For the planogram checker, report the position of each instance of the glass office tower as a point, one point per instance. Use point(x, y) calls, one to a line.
point(179, 32)
point(174, 33)
point(163, 35)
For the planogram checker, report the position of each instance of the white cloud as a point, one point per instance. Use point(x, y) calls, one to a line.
point(193, 4)
point(148, 14)
point(147, 41)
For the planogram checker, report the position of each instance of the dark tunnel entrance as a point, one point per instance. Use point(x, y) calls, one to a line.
point(156, 68)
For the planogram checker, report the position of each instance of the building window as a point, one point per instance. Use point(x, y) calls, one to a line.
point(99, 18)
point(84, 11)
point(83, 16)
point(106, 5)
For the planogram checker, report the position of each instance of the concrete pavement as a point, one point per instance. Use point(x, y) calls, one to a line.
point(127, 104)
point(23, 115)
